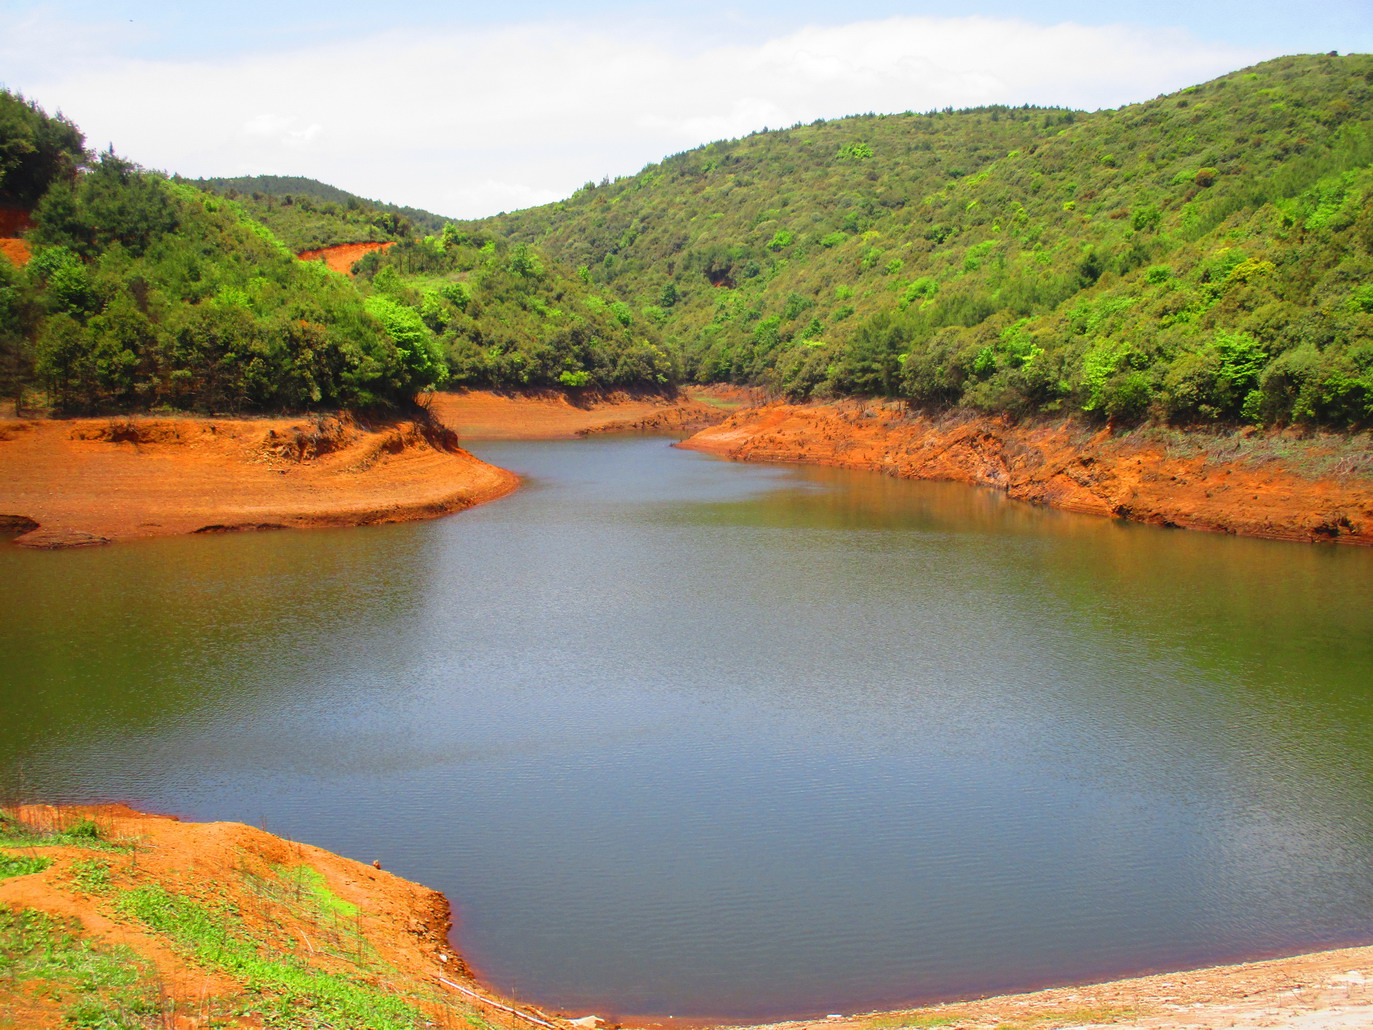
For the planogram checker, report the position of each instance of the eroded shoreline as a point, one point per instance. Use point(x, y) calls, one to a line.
point(82, 482)
point(1275, 486)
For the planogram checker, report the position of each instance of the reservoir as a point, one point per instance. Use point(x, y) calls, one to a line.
point(683, 736)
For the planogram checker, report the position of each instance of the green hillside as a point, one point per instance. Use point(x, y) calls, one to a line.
point(306, 214)
point(144, 293)
point(1201, 257)
point(510, 317)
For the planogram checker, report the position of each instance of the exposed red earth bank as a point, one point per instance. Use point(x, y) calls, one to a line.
point(73, 482)
point(397, 940)
point(1283, 486)
point(14, 222)
point(554, 415)
point(342, 256)
point(404, 928)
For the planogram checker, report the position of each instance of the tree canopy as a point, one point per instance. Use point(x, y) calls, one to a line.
point(1201, 257)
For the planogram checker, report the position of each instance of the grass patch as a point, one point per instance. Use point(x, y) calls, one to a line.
point(915, 1020)
point(21, 865)
point(299, 996)
point(95, 988)
point(84, 833)
point(304, 891)
point(716, 402)
point(91, 876)
point(312, 889)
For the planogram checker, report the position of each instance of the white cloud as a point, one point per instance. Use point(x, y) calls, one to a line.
point(282, 130)
point(471, 121)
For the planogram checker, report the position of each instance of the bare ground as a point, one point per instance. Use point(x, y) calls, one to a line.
point(1280, 486)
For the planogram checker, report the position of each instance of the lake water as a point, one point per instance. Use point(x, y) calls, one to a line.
point(680, 736)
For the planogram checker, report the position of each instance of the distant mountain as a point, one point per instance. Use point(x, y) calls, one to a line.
point(1205, 256)
point(306, 214)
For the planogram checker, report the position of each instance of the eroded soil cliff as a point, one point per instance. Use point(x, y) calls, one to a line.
point(1284, 486)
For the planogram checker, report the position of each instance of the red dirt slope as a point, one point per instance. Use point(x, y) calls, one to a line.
point(373, 928)
point(14, 222)
point(342, 256)
point(90, 481)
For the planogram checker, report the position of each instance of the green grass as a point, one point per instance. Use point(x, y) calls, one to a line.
point(21, 865)
point(1314, 455)
point(91, 875)
point(97, 988)
point(85, 833)
point(297, 996)
point(312, 889)
point(915, 1020)
point(303, 890)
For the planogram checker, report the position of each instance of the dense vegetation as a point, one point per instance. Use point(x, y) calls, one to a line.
point(306, 214)
point(510, 318)
point(145, 293)
point(1204, 257)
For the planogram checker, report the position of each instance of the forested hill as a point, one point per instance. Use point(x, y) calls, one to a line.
point(148, 293)
point(1201, 257)
point(306, 214)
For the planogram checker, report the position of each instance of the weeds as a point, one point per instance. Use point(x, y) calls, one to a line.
point(1312, 455)
point(97, 988)
point(304, 890)
point(302, 997)
point(91, 876)
point(21, 865)
point(915, 1020)
point(83, 833)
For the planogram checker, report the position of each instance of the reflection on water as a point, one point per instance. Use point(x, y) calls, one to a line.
point(684, 736)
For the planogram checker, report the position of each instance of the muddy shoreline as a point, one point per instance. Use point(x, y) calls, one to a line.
point(1276, 486)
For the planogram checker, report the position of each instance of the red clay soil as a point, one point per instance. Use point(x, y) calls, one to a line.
point(342, 256)
point(16, 251)
point(397, 940)
point(1277, 486)
point(14, 222)
point(90, 481)
point(553, 415)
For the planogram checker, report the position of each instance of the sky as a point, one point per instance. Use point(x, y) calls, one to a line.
point(468, 109)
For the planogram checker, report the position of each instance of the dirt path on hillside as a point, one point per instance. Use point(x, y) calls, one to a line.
point(14, 222)
point(1277, 486)
point(73, 482)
